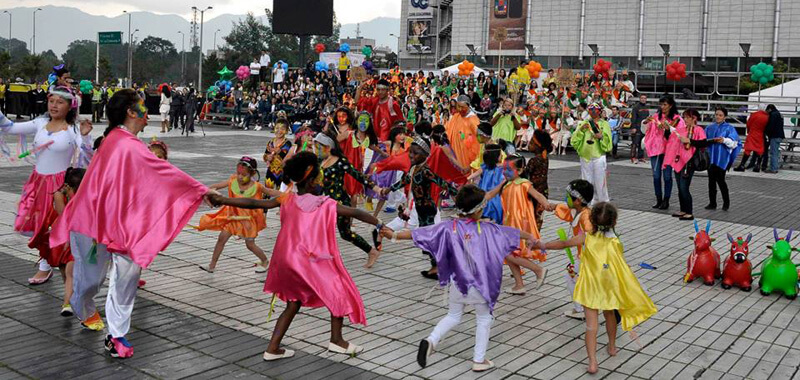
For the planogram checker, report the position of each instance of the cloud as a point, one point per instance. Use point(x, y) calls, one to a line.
point(347, 11)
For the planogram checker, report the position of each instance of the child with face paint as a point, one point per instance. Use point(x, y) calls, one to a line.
point(592, 140)
point(276, 151)
point(579, 194)
point(421, 177)
point(232, 221)
point(307, 268)
point(519, 212)
point(354, 137)
point(489, 176)
point(384, 179)
point(334, 167)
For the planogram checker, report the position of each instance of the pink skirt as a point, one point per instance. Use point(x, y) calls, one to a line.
point(35, 213)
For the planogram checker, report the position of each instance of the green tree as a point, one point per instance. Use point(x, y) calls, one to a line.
point(152, 59)
point(245, 41)
point(80, 59)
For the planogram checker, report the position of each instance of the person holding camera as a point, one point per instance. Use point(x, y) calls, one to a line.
point(505, 122)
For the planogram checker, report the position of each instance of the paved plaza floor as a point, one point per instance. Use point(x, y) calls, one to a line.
point(191, 324)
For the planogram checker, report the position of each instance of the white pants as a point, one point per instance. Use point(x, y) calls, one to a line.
point(88, 277)
point(398, 196)
point(571, 283)
point(594, 171)
point(483, 320)
point(398, 224)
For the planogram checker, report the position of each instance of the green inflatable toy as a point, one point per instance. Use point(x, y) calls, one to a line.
point(778, 273)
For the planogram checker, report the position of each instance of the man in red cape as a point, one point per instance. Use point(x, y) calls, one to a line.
point(384, 109)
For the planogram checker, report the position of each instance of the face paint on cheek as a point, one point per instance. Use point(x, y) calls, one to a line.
point(509, 171)
point(569, 201)
point(363, 123)
point(341, 117)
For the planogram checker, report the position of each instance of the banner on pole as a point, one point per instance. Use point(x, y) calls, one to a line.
point(110, 38)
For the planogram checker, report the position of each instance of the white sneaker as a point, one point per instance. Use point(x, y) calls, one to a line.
point(571, 313)
point(518, 292)
point(485, 366)
point(351, 349)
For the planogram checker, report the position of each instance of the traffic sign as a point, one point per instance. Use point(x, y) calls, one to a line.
point(110, 38)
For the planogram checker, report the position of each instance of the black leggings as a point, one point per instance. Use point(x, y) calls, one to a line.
point(716, 176)
point(343, 224)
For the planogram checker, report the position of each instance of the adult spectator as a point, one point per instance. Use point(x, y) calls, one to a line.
point(505, 122)
point(384, 109)
point(658, 129)
point(255, 69)
point(754, 142)
point(679, 154)
point(277, 74)
point(264, 61)
point(190, 108)
point(344, 65)
point(164, 106)
point(776, 135)
point(639, 113)
point(723, 146)
point(176, 108)
point(2, 96)
point(96, 105)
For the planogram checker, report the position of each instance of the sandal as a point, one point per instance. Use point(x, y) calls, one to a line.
point(39, 281)
point(205, 268)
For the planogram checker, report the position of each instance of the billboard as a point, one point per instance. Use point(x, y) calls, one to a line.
point(508, 17)
point(419, 33)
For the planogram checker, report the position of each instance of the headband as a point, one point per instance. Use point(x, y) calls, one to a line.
point(575, 194)
point(478, 207)
point(594, 106)
point(422, 144)
point(249, 161)
point(66, 93)
point(324, 140)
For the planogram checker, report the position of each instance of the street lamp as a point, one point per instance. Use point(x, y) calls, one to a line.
point(200, 65)
point(132, 46)
point(34, 29)
point(9, 31)
point(183, 54)
point(665, 49)
point(398, 41)
point(215, 40)
point(130, 54)
point(531, 50)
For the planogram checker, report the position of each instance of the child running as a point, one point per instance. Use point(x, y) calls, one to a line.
point(470, 254)
point(519, 212)
point(232, 221)
point(307, 268)
point(606, 282)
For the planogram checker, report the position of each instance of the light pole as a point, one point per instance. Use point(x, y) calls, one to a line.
point(183, 54)
point(200, 64)
point(665, 49)
point(215, 40)
point(130, 55)
point(34, 29)
point(9, 31)
point(133, 45)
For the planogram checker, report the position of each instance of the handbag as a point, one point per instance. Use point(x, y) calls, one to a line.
point(699, 161)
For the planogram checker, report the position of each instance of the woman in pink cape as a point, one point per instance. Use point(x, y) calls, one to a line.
point(130, 206)
point(679, 152)
point(306, 267)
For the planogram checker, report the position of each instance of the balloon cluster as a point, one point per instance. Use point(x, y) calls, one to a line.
point(367, 51)
point(225, 73)
point(85, 87)
point(465, 68)
point(344, 48)
point(321, 66)
point(534, 68)
point(602, 67)
point(224, 85)
point(282, 64)
point(243, 72)
point(319, 48)
point(762, 73)
point(367, 65)
point(212, 90)
point(676, 71)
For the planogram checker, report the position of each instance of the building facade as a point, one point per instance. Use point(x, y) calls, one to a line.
point(707, 35)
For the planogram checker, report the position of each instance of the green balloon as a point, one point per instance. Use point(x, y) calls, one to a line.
point(753, 69)
point(763, 80)
point(769, 69)
point(794, 120)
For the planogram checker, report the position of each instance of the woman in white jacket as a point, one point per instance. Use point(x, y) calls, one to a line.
point(163, 108)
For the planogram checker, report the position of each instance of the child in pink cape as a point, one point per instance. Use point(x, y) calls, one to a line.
point(130, 206)
point(306, 267)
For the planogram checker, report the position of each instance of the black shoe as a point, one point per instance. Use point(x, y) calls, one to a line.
point(686, 217)
point(711, 206)
point(756, 169)
point(423, 353)
point(738, 169)
point(678, 214)
point(771, 171)
point(658, 204)
point(429, 275)
point(664, 204)
point(725, 207)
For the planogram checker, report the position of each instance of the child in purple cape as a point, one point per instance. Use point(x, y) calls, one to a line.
point(470, 255)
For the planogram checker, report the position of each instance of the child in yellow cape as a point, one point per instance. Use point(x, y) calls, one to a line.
point(606, 282)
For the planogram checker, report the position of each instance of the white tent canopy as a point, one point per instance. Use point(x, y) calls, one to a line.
point(453, 70)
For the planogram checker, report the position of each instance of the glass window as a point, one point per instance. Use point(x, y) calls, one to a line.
point(727, 63)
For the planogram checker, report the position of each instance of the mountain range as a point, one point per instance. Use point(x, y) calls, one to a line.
point(57, 26)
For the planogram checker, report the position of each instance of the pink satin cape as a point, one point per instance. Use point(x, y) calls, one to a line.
point(306, 264)
point(130, 200)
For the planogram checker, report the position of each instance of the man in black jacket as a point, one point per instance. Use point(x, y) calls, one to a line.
point(176, 110)
point(775, 134)
point(639, 112)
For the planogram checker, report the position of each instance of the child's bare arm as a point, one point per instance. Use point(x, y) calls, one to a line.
point(355, 213)
point(266, 204)
point(494, 192)
point(540, 199)
point(219, 185)
point(572, 242)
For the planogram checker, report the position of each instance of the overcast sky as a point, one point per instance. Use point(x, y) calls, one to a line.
point(347, 11)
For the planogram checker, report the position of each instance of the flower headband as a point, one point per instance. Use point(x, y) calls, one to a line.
point(66, 93)
point(422, 144)
point(575, 194)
